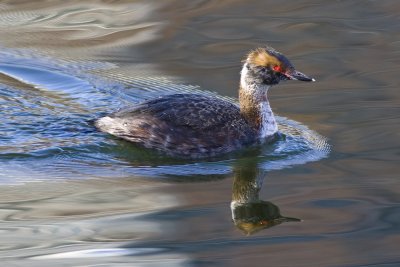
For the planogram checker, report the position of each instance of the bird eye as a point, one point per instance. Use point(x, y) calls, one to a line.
point(263, 69)
point(277, 68)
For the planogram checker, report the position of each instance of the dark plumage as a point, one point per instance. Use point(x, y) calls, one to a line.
point(186, 125)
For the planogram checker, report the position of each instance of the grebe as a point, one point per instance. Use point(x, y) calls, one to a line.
point(199, 126)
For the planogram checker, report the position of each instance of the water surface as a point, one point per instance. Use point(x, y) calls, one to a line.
point(71, 196)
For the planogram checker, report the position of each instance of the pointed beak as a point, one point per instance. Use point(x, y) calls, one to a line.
point(297, 75)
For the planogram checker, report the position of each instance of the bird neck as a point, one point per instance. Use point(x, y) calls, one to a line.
point(254, 105)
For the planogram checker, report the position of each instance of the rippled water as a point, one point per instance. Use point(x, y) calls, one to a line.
point(71, 196)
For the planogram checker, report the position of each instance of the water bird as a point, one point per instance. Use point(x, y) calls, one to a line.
point(188, 125)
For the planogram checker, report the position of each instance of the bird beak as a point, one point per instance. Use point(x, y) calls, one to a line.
point(297, 75)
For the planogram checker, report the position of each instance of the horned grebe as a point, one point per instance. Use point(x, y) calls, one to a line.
point(198, 126)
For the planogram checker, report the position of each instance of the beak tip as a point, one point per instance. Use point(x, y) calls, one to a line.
point(299, 76)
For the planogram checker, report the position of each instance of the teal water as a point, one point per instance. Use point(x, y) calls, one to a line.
point(72, 196)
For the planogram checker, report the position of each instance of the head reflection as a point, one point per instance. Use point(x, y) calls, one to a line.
point(249, 213)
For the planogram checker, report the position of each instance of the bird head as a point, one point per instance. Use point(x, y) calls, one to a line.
point(267, 66)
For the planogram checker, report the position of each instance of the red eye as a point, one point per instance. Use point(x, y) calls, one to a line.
point(277, 68)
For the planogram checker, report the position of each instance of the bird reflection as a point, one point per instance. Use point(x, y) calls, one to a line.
point(249, 213)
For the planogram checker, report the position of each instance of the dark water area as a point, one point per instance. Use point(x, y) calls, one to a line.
point(325, 195)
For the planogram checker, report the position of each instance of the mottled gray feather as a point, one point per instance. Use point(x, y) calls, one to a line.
point(185, 125)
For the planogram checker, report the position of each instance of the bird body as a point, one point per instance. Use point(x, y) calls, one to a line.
point(183, 125)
